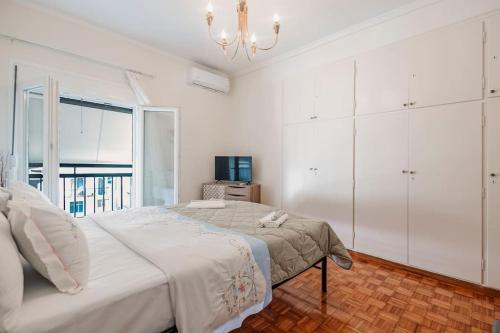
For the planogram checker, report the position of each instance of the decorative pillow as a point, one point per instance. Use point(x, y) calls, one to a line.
point(5, 196)
point(23, 191)
point(51, 242)
point(11, 278)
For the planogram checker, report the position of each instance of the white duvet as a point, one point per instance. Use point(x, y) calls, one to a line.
point(216, 277)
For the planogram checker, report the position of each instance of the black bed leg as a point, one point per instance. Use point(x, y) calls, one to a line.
point(324, 273)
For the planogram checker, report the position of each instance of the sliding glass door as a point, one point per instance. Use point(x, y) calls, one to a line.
point(159, 145)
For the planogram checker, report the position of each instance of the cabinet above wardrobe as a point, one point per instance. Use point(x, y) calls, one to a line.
point(440, 67)
point(493, 55)
point(323, 93)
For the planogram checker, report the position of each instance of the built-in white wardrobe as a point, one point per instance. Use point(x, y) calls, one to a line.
point(398, 149)
point(492, 165)
point(318, 150)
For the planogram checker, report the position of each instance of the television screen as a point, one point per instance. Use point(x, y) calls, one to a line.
point(233, 168)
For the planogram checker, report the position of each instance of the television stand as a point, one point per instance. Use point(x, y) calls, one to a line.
point(231, 191)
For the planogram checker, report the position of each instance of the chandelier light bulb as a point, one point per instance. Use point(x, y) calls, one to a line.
point(253, 39)
point(276, 18)
point(223, 35)
point(210, 7)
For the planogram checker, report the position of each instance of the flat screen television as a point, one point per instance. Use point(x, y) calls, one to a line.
point(233, 168)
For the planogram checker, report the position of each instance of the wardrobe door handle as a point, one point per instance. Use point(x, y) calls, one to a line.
point(493, 175)
point(313, 117)
point(405, 105)
point(493, 91)
point(413, 103)
point(404, 172)
point(412, 172)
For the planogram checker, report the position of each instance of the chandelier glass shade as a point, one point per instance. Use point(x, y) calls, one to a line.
point(242, 39)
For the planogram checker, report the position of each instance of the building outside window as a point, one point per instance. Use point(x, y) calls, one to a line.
point(76, 208)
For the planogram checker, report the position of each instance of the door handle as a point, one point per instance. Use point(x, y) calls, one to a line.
point(313, 117)
point(404, 172)
point(413, 103)
point(405, 105)
point(412, 172)
point(493, 175)
point(493, 91)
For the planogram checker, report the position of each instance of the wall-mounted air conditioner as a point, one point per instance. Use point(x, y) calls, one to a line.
point(208, 80)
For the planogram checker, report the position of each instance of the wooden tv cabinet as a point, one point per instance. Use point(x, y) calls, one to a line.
point(231, 191)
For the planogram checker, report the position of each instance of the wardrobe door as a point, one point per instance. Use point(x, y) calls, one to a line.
point(493, 55)
point(447, 65)
point(382, 79)
point(445, 204)
point(335, 91)
point(332, 187)
point(381, 191)
point(297, 168)
point(298, 98)
point(493, 193)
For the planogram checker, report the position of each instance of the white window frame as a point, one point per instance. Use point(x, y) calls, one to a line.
point(50, 148)
point(52, 85)
point(138, 152)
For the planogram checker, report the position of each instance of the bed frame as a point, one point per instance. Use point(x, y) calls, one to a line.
point(324, 278)
point(324, 274)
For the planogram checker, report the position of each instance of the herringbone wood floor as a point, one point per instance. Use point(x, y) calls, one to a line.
point(376, 296)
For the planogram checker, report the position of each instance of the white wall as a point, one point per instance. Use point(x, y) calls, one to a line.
point(257, 93)
point(202, 113)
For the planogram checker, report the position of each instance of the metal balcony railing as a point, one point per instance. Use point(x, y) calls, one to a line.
point(89, 188)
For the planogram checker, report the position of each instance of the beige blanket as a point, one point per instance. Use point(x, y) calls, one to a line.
point(295, 246)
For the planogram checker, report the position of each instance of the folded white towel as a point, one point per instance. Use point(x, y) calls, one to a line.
point(209, 204)
point(273, 216)
point(273, 220)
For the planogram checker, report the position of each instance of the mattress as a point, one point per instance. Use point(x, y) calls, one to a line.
point(125, 293)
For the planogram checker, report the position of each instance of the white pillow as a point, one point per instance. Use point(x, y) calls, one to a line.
point(11, 278)
point(52, 243)
point(5, 196)
point(23, 191)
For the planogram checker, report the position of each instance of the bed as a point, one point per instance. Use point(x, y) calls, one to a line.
point(135, 256)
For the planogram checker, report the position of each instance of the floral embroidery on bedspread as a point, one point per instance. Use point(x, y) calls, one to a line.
point(243, 287)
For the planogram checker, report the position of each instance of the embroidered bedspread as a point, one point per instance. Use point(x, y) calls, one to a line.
point(216, 277)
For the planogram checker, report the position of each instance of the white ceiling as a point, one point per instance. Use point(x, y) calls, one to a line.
point(179, 26)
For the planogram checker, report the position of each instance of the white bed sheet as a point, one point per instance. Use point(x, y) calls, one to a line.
point(125, 293)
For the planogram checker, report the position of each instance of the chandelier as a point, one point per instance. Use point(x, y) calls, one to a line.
point(242, 39)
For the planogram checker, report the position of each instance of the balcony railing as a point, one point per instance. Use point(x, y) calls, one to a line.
point(89, 188)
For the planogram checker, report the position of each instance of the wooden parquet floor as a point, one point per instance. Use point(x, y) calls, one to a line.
point(376, 297)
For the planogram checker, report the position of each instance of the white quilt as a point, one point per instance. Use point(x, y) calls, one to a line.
point(216, 277)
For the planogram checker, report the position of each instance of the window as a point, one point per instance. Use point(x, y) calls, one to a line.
point(80, 183)
point(78, 208)
point(100, 186)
